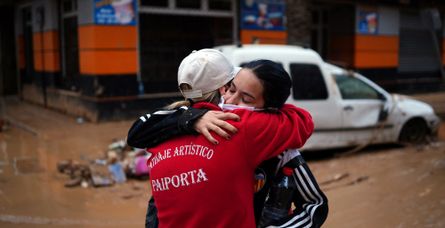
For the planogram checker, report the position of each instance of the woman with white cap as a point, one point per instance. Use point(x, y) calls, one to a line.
point(199, 184)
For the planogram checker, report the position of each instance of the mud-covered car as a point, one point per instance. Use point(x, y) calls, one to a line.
point(347, 108)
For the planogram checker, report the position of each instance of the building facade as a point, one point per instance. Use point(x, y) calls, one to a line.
point(111, 59)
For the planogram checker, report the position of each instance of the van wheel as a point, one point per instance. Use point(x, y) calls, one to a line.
point(414, 131)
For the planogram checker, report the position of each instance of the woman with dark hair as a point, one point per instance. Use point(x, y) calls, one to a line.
point(200, 184)
point(274, 79)
point(311, 204)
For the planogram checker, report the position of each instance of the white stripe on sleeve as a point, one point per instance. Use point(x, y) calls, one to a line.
point(164, 112)
point(303, 175)
point(303, 213)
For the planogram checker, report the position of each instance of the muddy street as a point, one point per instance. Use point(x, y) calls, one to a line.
point(32, 191)
point(385, 186)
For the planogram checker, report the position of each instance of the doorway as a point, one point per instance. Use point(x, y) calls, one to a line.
point(28, 73)
point(69, 44)
point(8, 73)
point(164, 45)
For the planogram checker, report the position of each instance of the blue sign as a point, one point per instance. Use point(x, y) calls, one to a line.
point(263, 14)
point(115, 12)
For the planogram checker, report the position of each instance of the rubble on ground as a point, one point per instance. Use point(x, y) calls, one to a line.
point(119, 163)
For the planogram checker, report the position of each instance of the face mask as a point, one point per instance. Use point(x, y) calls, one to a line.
point(230, 107)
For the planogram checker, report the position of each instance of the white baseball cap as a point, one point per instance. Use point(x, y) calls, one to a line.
point(205, 71)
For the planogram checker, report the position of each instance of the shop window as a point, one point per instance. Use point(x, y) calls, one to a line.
point(307, 82)
point(225, 5)
point(189, 4)
point(158, 3)
point(161, 54)
point(222, 33)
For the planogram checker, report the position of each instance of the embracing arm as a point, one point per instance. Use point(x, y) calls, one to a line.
point(154, 128)
point(272, 133)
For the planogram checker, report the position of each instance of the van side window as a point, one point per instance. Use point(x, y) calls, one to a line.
point(307, 82)
point(353, 88)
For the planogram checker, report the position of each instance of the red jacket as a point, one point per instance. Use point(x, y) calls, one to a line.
point(198, 184)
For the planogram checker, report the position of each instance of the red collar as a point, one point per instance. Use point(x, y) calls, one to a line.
point(206, 105)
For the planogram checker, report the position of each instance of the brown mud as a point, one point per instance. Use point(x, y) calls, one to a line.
point(389, 186)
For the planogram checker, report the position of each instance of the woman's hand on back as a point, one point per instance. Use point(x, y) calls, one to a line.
point(216, 121)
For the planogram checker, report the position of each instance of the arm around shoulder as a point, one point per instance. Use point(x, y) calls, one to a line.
point(272, 133)
point(154, 128)
point(301, 122)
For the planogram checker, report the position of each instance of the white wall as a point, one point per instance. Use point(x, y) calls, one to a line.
point(388, 23)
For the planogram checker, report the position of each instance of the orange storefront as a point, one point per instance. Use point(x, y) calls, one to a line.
point(88, 58)
point(102, 60)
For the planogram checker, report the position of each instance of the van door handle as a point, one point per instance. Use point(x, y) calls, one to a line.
point(348, 108)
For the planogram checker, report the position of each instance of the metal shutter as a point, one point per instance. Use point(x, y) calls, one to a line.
point(418, 50)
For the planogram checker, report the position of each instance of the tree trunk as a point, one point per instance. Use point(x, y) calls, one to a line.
point(298, 22)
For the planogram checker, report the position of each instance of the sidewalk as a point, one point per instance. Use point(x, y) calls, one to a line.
point(69, 137)
point(50, 124)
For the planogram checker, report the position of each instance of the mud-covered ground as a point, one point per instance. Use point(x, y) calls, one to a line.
point(383, 186)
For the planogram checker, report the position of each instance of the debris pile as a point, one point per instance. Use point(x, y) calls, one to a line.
point(119, 163)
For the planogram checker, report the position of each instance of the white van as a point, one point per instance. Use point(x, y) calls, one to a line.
point(347, 108)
